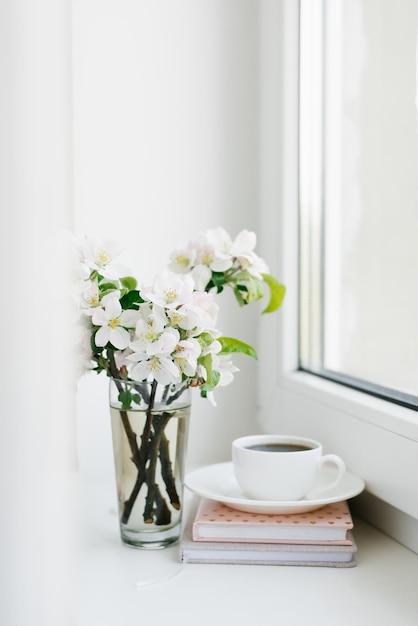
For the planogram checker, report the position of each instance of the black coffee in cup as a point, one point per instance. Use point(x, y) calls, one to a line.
point(278, 447)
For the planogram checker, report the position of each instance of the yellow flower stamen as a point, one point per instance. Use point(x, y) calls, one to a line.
point(207, 258)
point(182, 260)
point(154, 365)
point(170, 294)
point(93, 300)
point(149, 336)
point(114, 323)
point(176, 318)
point(103, 257)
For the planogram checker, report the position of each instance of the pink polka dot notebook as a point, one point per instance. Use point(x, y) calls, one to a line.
point(215, 521)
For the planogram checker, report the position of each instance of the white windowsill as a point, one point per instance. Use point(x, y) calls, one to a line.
point(381, 589)
point(372, 410)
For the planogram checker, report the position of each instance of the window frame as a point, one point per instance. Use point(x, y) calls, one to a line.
point(320, 123)
point(377, 438)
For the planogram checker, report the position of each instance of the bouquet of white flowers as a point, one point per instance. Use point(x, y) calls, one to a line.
point(165, 334)
point(167, 331)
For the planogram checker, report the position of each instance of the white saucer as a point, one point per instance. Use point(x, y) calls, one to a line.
point(217, 482)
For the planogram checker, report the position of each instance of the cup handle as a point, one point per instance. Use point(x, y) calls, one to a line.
point(339, 463)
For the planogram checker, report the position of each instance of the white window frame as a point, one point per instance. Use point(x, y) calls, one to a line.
point(378, 439)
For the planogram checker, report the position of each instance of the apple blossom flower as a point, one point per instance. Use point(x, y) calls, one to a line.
point(257, 266)
point(206, 302)
point(90, 298)
point(182, 260)
point(161, 346)
point(165, 344)
point(85, 360)
point(223, 364)
point(169, 289)
point(244, 244)
point(161, 368)
point(220, 240)
point(186, 354)
point(122, 358)
point(191, 317)
point(99, 255)
point(212, 250)
point(201, 275)
point(149, 326)
point(113, 323)
point(243, 250)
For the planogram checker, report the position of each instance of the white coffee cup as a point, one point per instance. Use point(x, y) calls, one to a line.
point(282, 468)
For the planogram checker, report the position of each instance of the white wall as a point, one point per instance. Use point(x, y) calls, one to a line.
point(36, 407)
point(166, 129)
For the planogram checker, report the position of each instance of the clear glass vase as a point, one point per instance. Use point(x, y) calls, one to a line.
point(149, 429)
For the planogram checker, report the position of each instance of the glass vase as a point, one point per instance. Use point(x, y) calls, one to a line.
point(149, 429)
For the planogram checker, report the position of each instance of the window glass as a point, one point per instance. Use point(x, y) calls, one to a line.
point(359, 194)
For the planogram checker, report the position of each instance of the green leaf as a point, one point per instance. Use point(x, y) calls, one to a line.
point(210, 385)
point(206, 361)
point(231, 345)
point(109, 286)
point(106, 292)
point(255, 289)
point(125, 398)
point(277, 293)
point(218, 279)
point(131, 300)
point(241, 295)
point(212, 376)
point(129, 282)
point(136, 398)
point(95, 349)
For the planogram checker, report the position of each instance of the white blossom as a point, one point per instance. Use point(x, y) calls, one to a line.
point(243, 251)
point(169, 289)
point(223, 364)
point(122, 358)
point(162, 368)
point(201, 275)
point(182, 260)
point(151, 323)
point(186, 354)
point(90, 298)
point(85, 361)
point(212, 250)
point(165, 344)
point(113, 323)
point(205, 301)
point(99, 255)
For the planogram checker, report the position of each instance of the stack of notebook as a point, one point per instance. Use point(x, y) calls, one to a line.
point(216, 533)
